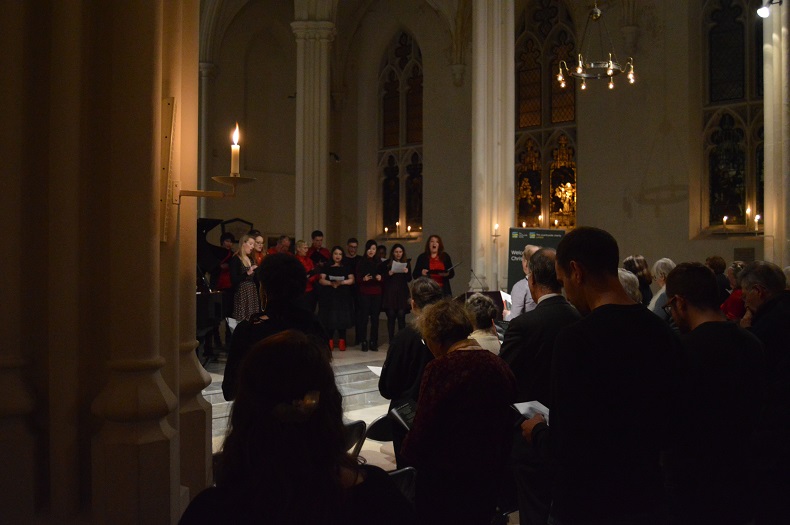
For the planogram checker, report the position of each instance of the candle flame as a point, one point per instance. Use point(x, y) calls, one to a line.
point(725, 218)
point(496, 226)
point(748, 210)
point(523, 224)
point(757, 217)
point(236, 135)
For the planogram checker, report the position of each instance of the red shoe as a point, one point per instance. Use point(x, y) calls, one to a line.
point(332, 344)
point(342, 345)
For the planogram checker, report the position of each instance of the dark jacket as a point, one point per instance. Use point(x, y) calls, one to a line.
point(423, 263)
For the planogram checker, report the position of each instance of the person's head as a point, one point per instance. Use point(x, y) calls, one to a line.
point(443, 324)
point(398, 252)
point(301, 248)
point(226, 240)
point(716, 263)
point(318, 239)
point(637, 265)
point(371, 248)
point(259, 243)
point(691, 288)
point(529, 249)
point(254, 233)
point(630, 284)
point(246, 245)
point(586, 255)
point(286, 435)
point(786, 271)
point(381, 252)
point(282, 279)
point(661, 269)
point(543, 272)
point(352, 245)
point(761, 281)
point(423, 291)
point(482, 310)
point(337, 254)
point(283, 244)
point(434, 245)
point(733, 271)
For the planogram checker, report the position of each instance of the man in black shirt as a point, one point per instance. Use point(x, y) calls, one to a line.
point(612, 382)
point(709, 468)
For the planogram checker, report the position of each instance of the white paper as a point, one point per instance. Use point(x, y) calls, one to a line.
point(506, 300)
point(231, 323)
point(336, 278)
point(375, 369)
point(398, 267)
point(530, 408)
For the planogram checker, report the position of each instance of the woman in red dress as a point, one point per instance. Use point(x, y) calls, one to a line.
point(436, 264)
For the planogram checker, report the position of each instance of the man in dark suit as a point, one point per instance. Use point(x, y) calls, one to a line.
point(527, 348)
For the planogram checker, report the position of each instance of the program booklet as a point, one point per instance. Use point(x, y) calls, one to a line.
point(530, 408)
point(404, 414)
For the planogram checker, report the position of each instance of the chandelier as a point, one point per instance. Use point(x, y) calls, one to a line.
point(601, 65)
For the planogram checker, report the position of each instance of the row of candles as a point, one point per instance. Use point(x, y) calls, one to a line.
point(748, 216)
point(397, 229)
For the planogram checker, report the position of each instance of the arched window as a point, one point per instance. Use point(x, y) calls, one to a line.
point(545, 156)
point(400, 144)
point(733, 115)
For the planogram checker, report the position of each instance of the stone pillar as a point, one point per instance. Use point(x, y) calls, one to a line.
point(208, 72)
point(313, 39)
point(134, 453)
point(492, 137)
point(17, 442)
point(777, 135)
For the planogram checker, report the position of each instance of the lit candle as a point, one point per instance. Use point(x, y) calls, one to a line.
point(234, 152)
point(540, 218)
point(556, 223)
point(724, 221)
point(408, 229)
point(748, 212)
point(523, 224)
point(496, 228)
point(386, 229)
point(397, 228)
point(756, 221)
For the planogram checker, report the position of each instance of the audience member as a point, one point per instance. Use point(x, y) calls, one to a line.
point(661, 269)
point(614, 374)
point(282, 281)
point(368, 279)
point(284, 459)
point(717, 264)
point(483, 312)
point(520, 298)
point(765, 296)
point(309, 299)
point(395, 289)
point(407, 356)
point(709, 468)
point(733, 306)
point(637, 265)
point(459, 438)
point(334, 300)
point(283, 245)
point(528, 349)
point(435, 263)
point(242, 276)
point(317, 253)
point(630, 284)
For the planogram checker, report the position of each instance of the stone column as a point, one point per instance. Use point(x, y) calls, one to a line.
point(208, 72)
point(313, 39)
point(777, 135)
point(492, 137)
point(134, 452)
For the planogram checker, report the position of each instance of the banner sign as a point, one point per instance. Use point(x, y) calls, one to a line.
point(518, 238)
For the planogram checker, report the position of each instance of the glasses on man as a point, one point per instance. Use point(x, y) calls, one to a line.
point(668, 307)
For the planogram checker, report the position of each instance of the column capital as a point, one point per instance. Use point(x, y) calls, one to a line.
point(310, 30)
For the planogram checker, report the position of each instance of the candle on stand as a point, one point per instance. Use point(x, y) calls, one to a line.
point(496, 229)
point(234, 152)
point(724, 221)
point(386, 230)
point(748, 213)
point(408, 229)
point(756, 221)
point(397, 228)
point(523, 224)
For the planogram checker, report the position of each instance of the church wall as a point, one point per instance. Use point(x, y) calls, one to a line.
point(639, 147)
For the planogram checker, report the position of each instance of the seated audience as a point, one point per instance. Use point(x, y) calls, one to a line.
point(709, 468)
point(637, 265)
point(614, 376)
point(284, 459)
point(768, 301)
point(733, 307)
point(661, 269)
point(630, 284)
point(282, 282)
point(520, 299)
point(407, 356)
point(460, 436)
point(483, 312)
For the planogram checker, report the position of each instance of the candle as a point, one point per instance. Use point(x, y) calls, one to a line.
point(724, 221)
point(540, 218)
point(556, 223)
point(748, 212)
point(386, 229)
point(496, 228)
point(234, 152)
point(756, 221)
point(408, 229)
point(523, 224)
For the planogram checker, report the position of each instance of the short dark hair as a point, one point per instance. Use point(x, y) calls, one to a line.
point(716, 263)
point(696, 283)
point(424, 291)
point(227, 236)
point(337, 247)
point(254, 233)
point(764, 273)
point(482, 309)
point(541, 266)
point(281, 238)
point(352, 239)
point(593, 248)
point(316, 233)
point(282, 278)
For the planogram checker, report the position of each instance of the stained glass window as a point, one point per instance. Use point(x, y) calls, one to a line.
point(400, 152)
point(545, 167)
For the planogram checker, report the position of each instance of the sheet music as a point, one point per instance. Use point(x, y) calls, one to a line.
point(375, 369)
point(336, 278)
point(398, 267)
